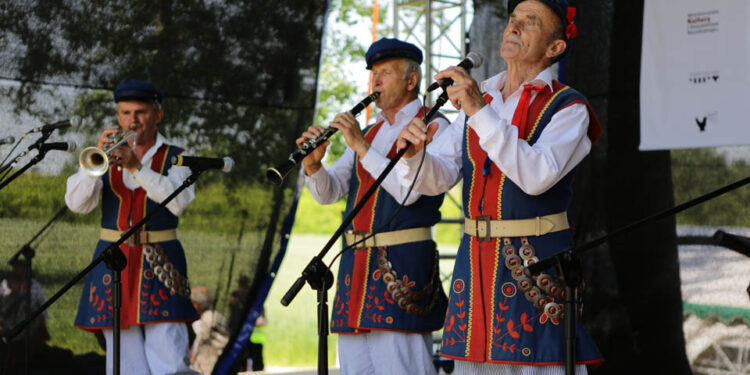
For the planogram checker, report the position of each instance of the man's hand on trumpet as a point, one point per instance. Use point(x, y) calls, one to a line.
point(106, 138)
point(125, 157)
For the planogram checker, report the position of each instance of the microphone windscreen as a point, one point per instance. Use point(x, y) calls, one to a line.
point(72, 146)
point(228, 164)
point(476, 59)
point(75, 121)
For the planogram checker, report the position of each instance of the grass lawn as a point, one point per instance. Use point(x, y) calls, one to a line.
point(292, 338)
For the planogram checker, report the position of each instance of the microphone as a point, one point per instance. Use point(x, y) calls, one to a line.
point(472, 60)
point(7, 140)
point(68, 146)
point(74, 121)
point(196, 162)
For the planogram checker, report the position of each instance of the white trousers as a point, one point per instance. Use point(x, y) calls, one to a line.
point(386, 353)
point(158, 349)
point(476, 368)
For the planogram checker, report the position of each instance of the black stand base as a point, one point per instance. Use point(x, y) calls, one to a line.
point(321, 279)
point(569, 269)
point(116, 261)
point(317, 273)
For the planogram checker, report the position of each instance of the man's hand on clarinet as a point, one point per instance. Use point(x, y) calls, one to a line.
point(349, 128)
point(311, 162)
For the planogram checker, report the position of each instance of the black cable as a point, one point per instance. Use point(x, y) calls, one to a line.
point(18, 142)
point(401, 205)
point(7, 168)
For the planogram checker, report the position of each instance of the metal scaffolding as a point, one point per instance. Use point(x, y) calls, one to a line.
point(441, 34)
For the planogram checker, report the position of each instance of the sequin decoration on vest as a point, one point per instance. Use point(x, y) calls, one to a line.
point(415, 301)
point(492, 316)
point(154, 283)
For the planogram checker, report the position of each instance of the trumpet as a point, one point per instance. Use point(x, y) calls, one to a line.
point(276, 175)
point(95, 161)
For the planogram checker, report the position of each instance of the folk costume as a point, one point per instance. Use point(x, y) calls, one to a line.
point(161, 298)
point(155, 288)
point(389, 285)
point(517, 159)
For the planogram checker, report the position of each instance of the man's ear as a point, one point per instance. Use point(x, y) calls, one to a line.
point(555, 48)
point(159, 116)
point(413, 80)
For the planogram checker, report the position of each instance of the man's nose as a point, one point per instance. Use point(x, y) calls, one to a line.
point(514, 25)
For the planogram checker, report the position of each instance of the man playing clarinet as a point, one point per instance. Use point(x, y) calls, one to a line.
point(388, 296)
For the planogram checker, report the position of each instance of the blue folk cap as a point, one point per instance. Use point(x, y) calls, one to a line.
point(556, 6)
point(564, 11)
point(388, 48)
point(137, 90)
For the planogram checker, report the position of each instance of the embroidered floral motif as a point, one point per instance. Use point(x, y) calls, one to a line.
point(510, 327)
point(374, 306)
point(101, 301)
point(341, 308)
point(456, 325)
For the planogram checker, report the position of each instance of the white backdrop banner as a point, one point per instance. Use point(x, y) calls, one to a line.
point(695, 86)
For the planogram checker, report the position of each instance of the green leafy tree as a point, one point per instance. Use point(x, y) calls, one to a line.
point(238, 75)
point(698, 171)
point(343, 59)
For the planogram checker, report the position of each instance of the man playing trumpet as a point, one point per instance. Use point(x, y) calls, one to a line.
point(155, 290)
point(388, 294)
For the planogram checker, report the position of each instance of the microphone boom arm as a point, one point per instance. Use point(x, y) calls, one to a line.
point(37, 158)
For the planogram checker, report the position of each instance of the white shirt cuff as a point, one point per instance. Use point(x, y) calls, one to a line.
point(485, 122)
point(374, 162)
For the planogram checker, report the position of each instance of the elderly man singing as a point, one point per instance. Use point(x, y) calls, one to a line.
point(515, 144)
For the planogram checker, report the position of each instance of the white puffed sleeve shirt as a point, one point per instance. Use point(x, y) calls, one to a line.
point(534, 168)
point(329, 185)
point(83, 191)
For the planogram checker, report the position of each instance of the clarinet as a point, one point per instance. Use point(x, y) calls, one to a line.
point(276, 175)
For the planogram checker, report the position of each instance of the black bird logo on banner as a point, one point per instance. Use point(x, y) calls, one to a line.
point(701, 123)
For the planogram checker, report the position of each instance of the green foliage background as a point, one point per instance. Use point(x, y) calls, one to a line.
point(698, 171)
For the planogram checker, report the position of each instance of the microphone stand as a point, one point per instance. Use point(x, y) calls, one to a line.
point(39, 156)
point(28, 254)
point(319, 276)
point(115, 261)
point(568, 266)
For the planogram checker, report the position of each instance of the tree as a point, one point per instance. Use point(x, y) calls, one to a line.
point(238, 75)
point(338, 90)
point(239, 78)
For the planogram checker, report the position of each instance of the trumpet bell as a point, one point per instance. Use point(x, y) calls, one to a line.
point(93, 161)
